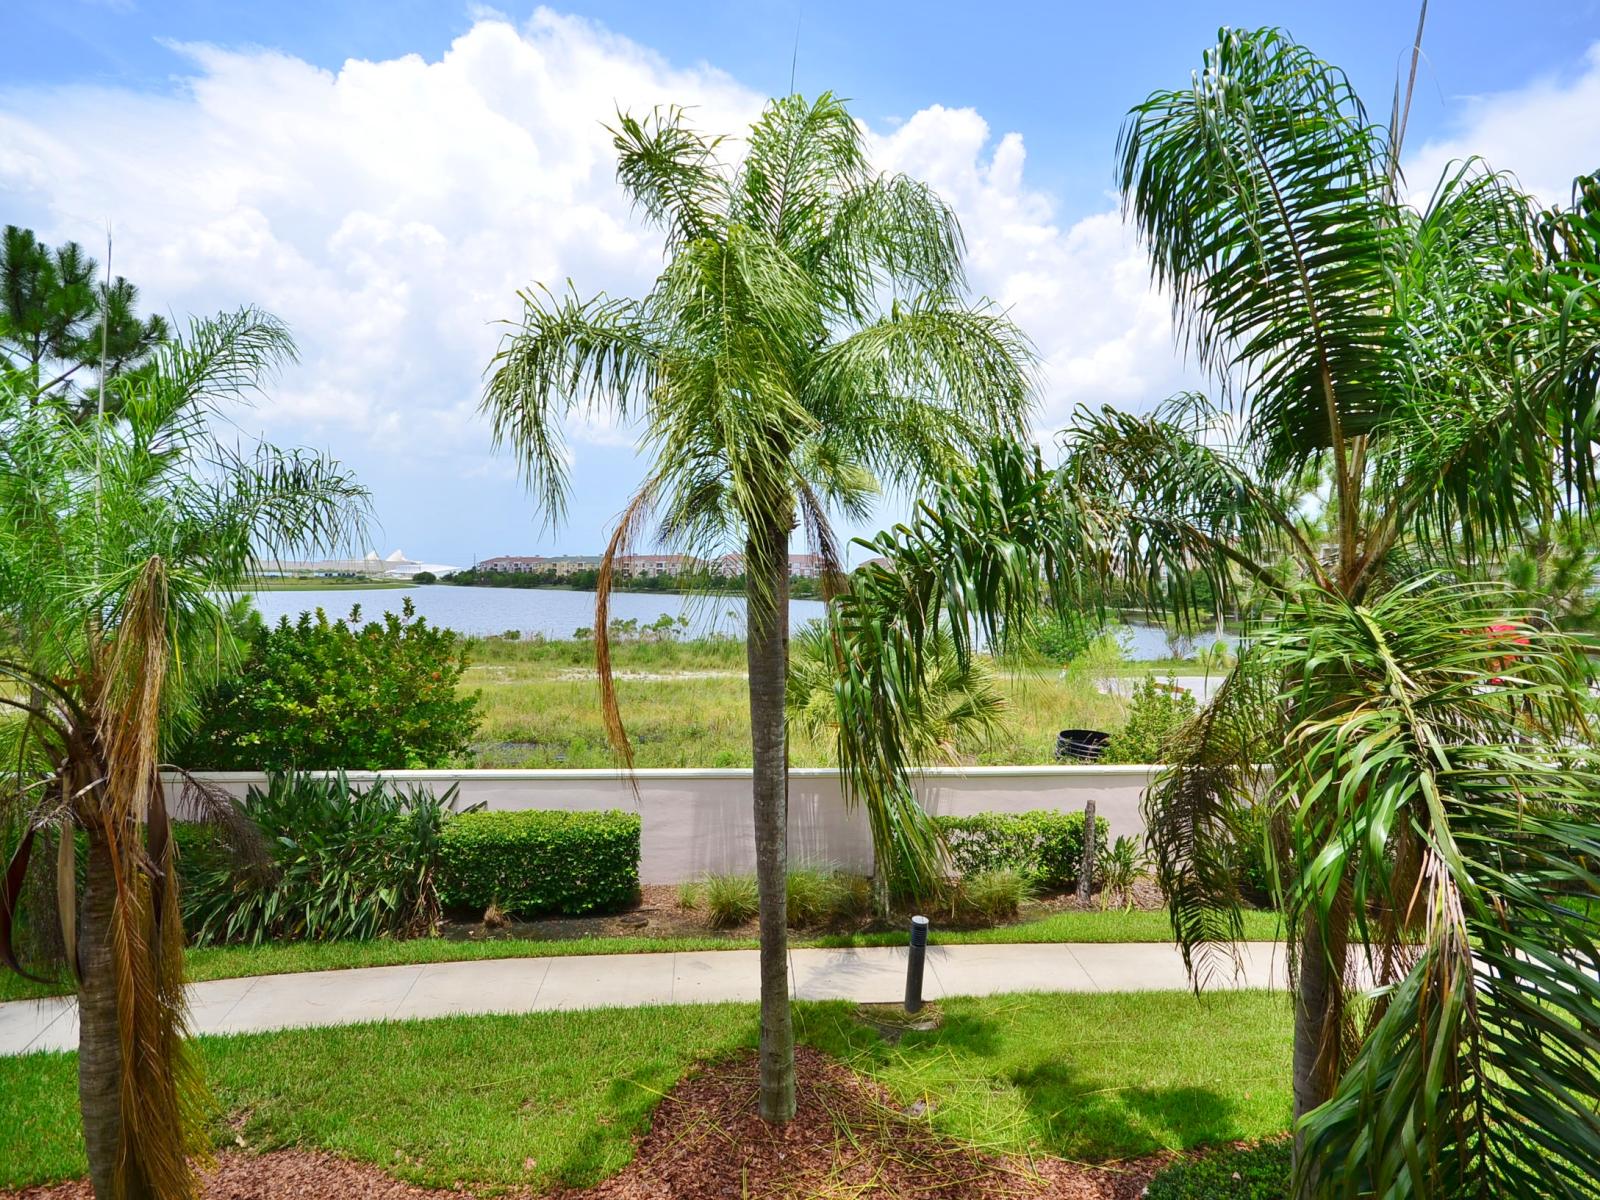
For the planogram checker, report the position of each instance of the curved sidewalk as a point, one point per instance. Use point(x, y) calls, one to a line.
point(518, 985)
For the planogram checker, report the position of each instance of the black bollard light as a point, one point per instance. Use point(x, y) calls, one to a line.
point(914, 963)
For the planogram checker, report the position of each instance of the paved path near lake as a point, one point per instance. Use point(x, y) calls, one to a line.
point(517, 985)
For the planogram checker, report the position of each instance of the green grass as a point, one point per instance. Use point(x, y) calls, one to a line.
point(552, 1098)
point(540, 707)
point(1087, 1077)
point(288, 958)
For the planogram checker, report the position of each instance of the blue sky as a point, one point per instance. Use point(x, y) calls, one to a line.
point(385, 175)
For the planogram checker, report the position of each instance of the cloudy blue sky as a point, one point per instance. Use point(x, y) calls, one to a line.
point(386, 175)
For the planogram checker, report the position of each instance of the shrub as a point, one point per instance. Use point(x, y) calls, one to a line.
point(315, 858)
point(993, 895)
point(1120, 868)
point(323, 695)
point(731, 900)
point(1060, 639)
point(535, 861)
point(1258, 1173)
point(688, 894)
point(819, 896)
point(1156, 712)
point(1044, 845)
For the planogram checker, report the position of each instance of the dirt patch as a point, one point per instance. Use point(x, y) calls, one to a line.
point(280, 1175)
point(658, 914)
point(848, 1138)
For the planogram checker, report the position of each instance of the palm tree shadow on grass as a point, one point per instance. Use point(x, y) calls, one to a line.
point(1081, 1119)
point(967, 1071)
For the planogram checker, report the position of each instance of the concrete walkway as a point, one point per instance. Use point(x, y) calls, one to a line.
point(517, 985)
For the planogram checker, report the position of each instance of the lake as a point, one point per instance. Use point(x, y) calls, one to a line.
point(551, 612)
point(556, 612)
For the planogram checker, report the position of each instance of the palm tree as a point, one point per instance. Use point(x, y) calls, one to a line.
point(1432, 815)
point(958, 703)
point(805, 344)
point(119, 541)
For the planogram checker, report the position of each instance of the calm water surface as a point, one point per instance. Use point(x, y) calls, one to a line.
point(552, 612)
point(556, 613)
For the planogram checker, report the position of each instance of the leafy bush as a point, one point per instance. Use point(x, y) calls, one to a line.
point(1120, 868)
point(323, 695)
point(315, 858)
point(1259, 1173)
point(819, 896)
point(1060, 639)
point(1254, 870)
point(534, 862)
point(731, 900)
point(1044, 845)
point(994, 895)
point(1157, 711)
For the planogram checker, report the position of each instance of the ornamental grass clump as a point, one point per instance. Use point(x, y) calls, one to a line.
point(730, 900)
point(820, 896)
point(991, 896)
point(325, 860)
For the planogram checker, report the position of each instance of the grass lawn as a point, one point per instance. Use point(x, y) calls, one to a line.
point(285, 958)
point(540, 709)
point(556, 1097)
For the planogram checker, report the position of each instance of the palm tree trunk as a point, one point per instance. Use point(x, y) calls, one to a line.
point(1314, 999)
point(767, 652)
point(99, 1043)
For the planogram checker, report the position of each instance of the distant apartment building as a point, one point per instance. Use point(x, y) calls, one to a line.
point(571, 564)
point(645, 565)
point(801, 566)
point(522, 564)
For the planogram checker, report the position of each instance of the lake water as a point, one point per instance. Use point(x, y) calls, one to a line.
point(552, 612)
point(556, 613)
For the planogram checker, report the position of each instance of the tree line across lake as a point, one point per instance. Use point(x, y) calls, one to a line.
point(800, 587)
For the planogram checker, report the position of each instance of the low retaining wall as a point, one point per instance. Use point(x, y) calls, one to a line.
point(695, 821)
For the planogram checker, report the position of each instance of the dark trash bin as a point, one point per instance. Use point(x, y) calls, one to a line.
point(1081, 745)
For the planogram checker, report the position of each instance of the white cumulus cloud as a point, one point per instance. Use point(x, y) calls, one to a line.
point(389, 211)
point(1544, 133)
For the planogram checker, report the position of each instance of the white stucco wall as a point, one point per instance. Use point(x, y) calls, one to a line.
point(695, 821)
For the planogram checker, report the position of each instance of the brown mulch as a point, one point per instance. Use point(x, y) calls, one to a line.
point(848, 1139)
point(657, 914)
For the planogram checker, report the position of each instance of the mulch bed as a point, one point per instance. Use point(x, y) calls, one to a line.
point(657, 914)
point(847, 1139)
point(707, 1142)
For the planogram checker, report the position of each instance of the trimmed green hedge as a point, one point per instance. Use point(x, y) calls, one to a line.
point(1258, 1173)
point(1044, 845)
point(539, 861)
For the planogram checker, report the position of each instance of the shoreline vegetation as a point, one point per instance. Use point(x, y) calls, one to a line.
point(801, 587)
point(329, 583)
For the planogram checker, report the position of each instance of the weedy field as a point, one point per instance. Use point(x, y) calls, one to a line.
point(685, 705)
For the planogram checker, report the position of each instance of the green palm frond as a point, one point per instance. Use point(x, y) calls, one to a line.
point(1259, 191)
point(671, 173)
point(1436, 790)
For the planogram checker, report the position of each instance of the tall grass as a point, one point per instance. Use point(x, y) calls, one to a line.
point(686, 704)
